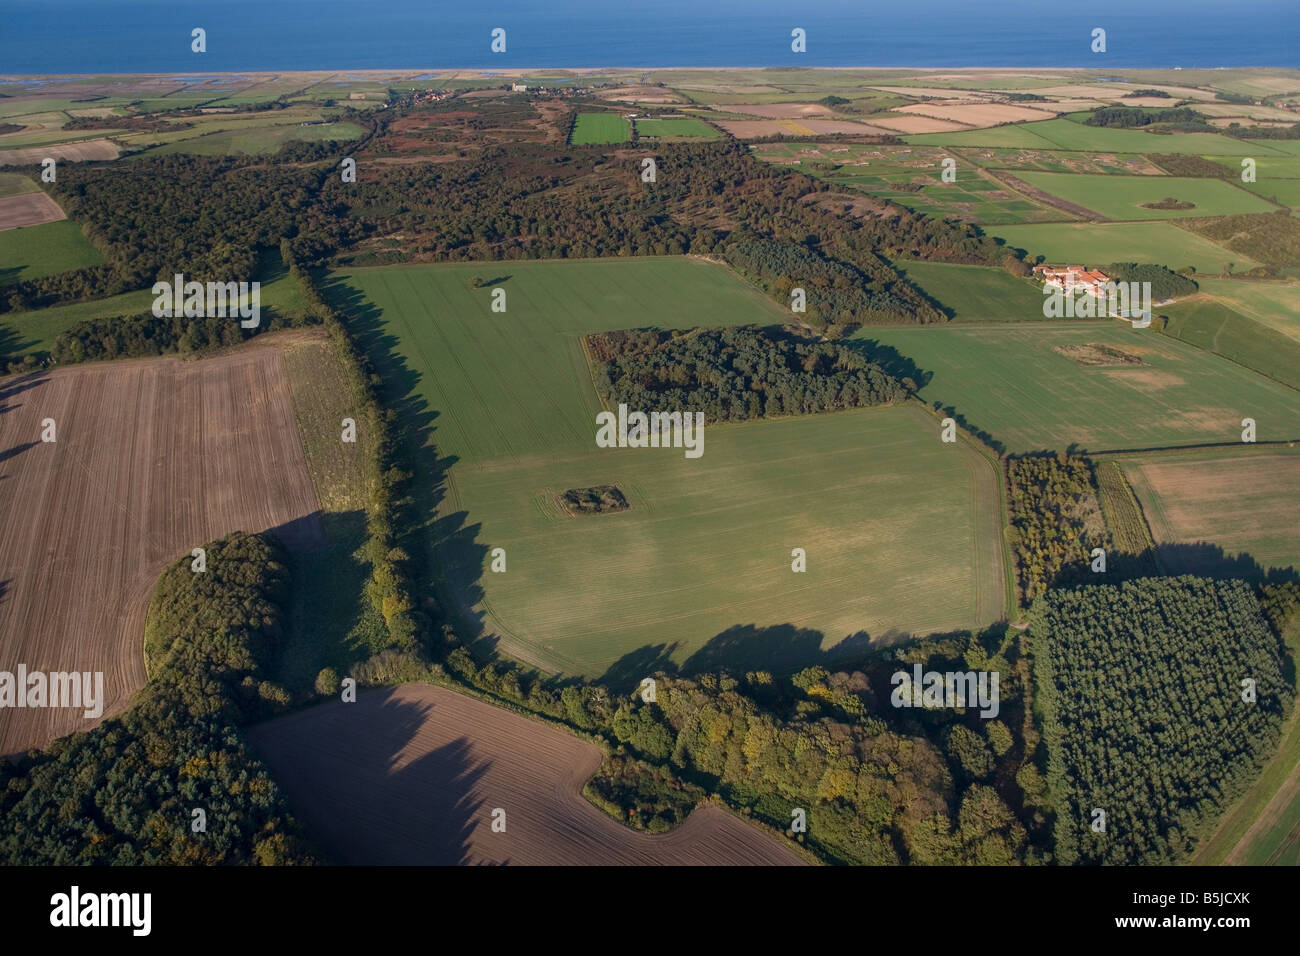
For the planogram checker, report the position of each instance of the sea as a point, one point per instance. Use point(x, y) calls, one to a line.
point(154, 36)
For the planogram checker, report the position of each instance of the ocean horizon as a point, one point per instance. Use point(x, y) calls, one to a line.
point(153, 36)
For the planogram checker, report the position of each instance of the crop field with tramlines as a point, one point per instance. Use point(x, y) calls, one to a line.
point(1015, 386)
point(701, 560)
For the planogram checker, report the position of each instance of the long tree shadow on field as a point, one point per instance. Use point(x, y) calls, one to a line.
point(328, 627)
point(11, 343)
point(17, 450)
point(778, 649)
point(17, 386)
point(915, 378)
point(421, 812)
point(892, 361)
point(1206, 559)
point(425, 535)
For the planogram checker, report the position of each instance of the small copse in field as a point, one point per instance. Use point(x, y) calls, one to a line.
point(602, 499)
point(735, 374)
point(1097, 354)
point(835, 292)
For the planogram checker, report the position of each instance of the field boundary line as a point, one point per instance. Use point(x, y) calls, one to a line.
point(1228, 359)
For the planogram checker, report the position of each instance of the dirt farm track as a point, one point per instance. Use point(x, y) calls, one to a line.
point(152, 458)
point(411, 776)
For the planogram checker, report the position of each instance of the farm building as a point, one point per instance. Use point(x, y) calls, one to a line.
point(1072, 279)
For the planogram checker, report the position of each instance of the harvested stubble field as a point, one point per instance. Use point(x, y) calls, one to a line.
point(974, 114)
point(1245, 501)
point(910, 123)
point(410, 776)
point(685, 128)
point(74, 152)
point(152, 458)
point(753, 129)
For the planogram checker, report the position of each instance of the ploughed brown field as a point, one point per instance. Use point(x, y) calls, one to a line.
point(411, 776)
point(153, 457)
point(28, 209)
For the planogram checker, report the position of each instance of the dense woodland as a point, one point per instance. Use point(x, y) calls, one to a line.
point(125, 792)
point(1130, 116)
point(1055, 520)
point(1141, 691)
point(1164, 283)
point(835, 293)
point(735, 374)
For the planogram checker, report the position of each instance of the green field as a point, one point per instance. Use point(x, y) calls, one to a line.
point(49, 137)
point(1121, 197)
point(1011, 384)
point(1267, 168)
point(1098, 244)
point(701, 560)
point(1209, 324)
point(1272, 303)
point(676, 129)
point(16, 184)
point(1017, 136)
point(1290, 146)
point(1069, 135)
point(977, 293)
point(1285, 191)
point(595, 128)
point(27, 332)
point(30, 252)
